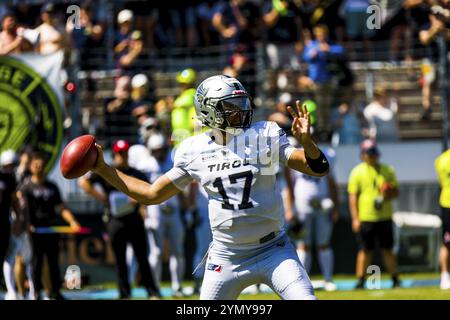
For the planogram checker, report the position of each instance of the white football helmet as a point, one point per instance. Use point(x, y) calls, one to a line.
point(221, 102)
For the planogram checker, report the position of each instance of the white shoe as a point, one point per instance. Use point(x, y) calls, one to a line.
point(10, 296)
point(253, 289)
point(330, 286)
point(445, 284)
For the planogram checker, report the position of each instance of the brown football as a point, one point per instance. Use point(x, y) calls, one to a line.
point(78, 157)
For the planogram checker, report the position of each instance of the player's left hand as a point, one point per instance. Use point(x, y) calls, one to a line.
point(301, 126)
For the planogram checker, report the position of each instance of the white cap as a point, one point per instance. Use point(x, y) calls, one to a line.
point(8, 157)
point(285, 98)
point(149, 122)
point(156, 141)
point(125, 15)
point(139, 80)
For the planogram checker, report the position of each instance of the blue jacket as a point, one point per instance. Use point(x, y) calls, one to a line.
point(317, 66)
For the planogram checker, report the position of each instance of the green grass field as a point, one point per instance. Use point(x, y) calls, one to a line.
point(392, 294)
point(414, 293)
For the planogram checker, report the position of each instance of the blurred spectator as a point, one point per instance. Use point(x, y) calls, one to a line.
point(125, 223)
point(122, 95)
point(237, 21)
point(355, 13)
point(356, 19)
point(346, 123)
point(8, 197)
point(119, 122)
point(428, 76)
point(8, 161)
point(27, 14)
point(316, 12)
point(372, 186)
point(400, 31)
point(149, 127)
point(442, 166)
point(242, 65)
point(316, 202)
point(142, 103)
point(183, 111)
point(19, 244)
point(381, 114)
point(164, 221)
point(52, 35)
point(12, 39)
point(205, 13)
point(184, 21)
point(22, 170)
point(317, 54)
point(88, 37)
point(43, 205)
point(438, 24)
point(163, 110)
point(284, 34)
point(146, 18)
point(281, 116)
point(128, 42)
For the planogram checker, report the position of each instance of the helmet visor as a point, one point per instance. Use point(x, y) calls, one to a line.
point(237, 112)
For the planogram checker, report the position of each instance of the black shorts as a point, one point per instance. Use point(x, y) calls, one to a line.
point(373, 232)
point(445, 217)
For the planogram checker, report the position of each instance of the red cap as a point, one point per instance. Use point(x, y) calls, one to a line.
point(369, 146)
point(121, 146)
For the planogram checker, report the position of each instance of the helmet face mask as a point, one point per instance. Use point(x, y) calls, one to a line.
point(237, 112)
point(222, 103)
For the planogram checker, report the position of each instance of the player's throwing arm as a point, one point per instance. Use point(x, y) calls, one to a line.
point(141, 191)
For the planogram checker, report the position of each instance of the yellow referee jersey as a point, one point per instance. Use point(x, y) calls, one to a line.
point(366, 181)
point(442, 165)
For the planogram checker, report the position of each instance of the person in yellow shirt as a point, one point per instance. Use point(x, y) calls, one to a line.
point(371, 187)
point(442, 165)
point(183, 117)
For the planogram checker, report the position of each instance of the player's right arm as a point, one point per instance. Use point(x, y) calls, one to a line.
point(143, 192)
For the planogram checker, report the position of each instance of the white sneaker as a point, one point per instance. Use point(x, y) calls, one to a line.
point(445, 284)
point(330, 286)
point(10, 296)
point(253, 289)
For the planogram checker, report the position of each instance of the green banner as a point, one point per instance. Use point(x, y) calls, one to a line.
point(30, 112)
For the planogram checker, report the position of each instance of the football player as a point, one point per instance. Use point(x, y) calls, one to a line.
point(236, 163)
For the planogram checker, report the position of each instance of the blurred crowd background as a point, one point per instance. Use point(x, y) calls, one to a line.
point(363, 74)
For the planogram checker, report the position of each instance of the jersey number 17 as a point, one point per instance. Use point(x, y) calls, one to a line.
point(245, 203)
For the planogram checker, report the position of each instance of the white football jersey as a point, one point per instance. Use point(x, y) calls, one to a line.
point(308, 189)
point(239, 178)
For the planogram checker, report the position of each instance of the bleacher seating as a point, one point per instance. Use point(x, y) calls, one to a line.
point(393, 77)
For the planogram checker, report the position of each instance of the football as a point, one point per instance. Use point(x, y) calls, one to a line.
point(78, 157)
